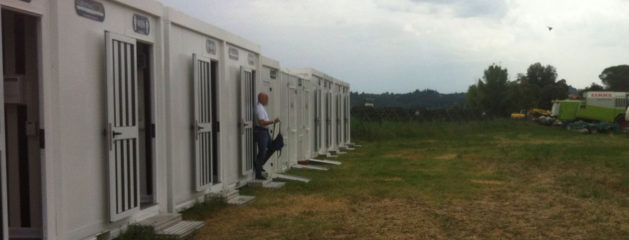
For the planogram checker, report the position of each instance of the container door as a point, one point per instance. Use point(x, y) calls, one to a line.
point(285, 117)
point(338, 120)
point(3, 172)
point(246, 120)
point(292, 145)
point(316, 121)
point(122, 129)
point(329, 121)
point(202, 121)
point(347, 118)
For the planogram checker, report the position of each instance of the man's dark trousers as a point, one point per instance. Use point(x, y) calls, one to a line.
point(263, 138)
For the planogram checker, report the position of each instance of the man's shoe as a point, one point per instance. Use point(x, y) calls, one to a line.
point(260, 178)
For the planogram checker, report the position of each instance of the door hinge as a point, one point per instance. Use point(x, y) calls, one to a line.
point(42, 139)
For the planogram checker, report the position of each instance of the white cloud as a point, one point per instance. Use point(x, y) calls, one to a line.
point(401, 45)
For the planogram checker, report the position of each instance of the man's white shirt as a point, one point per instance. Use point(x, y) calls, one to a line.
point(261, 114)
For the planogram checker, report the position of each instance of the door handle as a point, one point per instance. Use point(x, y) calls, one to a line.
point(242, 126)
point(111, 135)
point(196, 127)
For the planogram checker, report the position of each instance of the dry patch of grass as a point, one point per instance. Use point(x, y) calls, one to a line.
point(407, 154)
point(487, 182)
point(500, 215)
point(393, 179)
point(446, 156)
point(249, 221)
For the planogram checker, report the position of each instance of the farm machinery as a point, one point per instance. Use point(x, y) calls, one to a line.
point(599, 111)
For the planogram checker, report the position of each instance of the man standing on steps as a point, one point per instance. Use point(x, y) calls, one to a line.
point(261, 133)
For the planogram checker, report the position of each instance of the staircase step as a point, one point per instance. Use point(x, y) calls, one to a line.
point(161, 221)
point(259, 183)
point(241, 200)
point(325, 161)
point(180, 230)
point(231, 194)
point(292, 178)
point(311, 167)
point(274, 185)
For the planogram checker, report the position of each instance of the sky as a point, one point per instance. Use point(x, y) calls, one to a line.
point(402, 45)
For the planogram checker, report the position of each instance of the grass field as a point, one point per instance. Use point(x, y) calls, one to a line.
point(497, 179)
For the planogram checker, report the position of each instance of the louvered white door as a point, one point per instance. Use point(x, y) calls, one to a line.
point(246, 120)
point(123, 131)
point(317, 120)
point(3, 172)
point(338, 119)
point(328, 107)
point(347, 118)
point(293, 125)
point(202, 121)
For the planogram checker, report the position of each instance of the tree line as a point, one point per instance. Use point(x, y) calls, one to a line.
point(494, 94)
point(418, 99)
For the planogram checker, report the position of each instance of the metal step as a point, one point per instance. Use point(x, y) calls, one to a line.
point(180, 230)
point(161, 222)
point(231, 194)
point(274, 185)
point(310, 167)
point(259, 183)
point(354, 145)
point(241, 200)
point(341, 153)
point(325, 161)
point(346, 148)
point(292, 178)
point(268, 183)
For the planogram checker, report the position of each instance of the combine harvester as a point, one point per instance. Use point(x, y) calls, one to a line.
point(600, 111)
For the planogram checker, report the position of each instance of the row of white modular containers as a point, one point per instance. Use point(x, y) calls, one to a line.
point(314, 110)
point(116, 111)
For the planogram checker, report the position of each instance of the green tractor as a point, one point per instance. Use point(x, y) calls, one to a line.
point(606, 107)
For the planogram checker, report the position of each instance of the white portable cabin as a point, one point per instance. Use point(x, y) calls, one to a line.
point(85, 89)
point(270, 84)
point(307, 114)
point(346, 115)
point(342, 114)
point(303, 128)
point(211, 81)
point(324, 97)
point(289, 117)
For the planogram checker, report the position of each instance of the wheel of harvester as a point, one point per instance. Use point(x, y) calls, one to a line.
point(622, 123)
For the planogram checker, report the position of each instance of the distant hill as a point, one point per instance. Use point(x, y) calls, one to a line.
point(428, 98)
